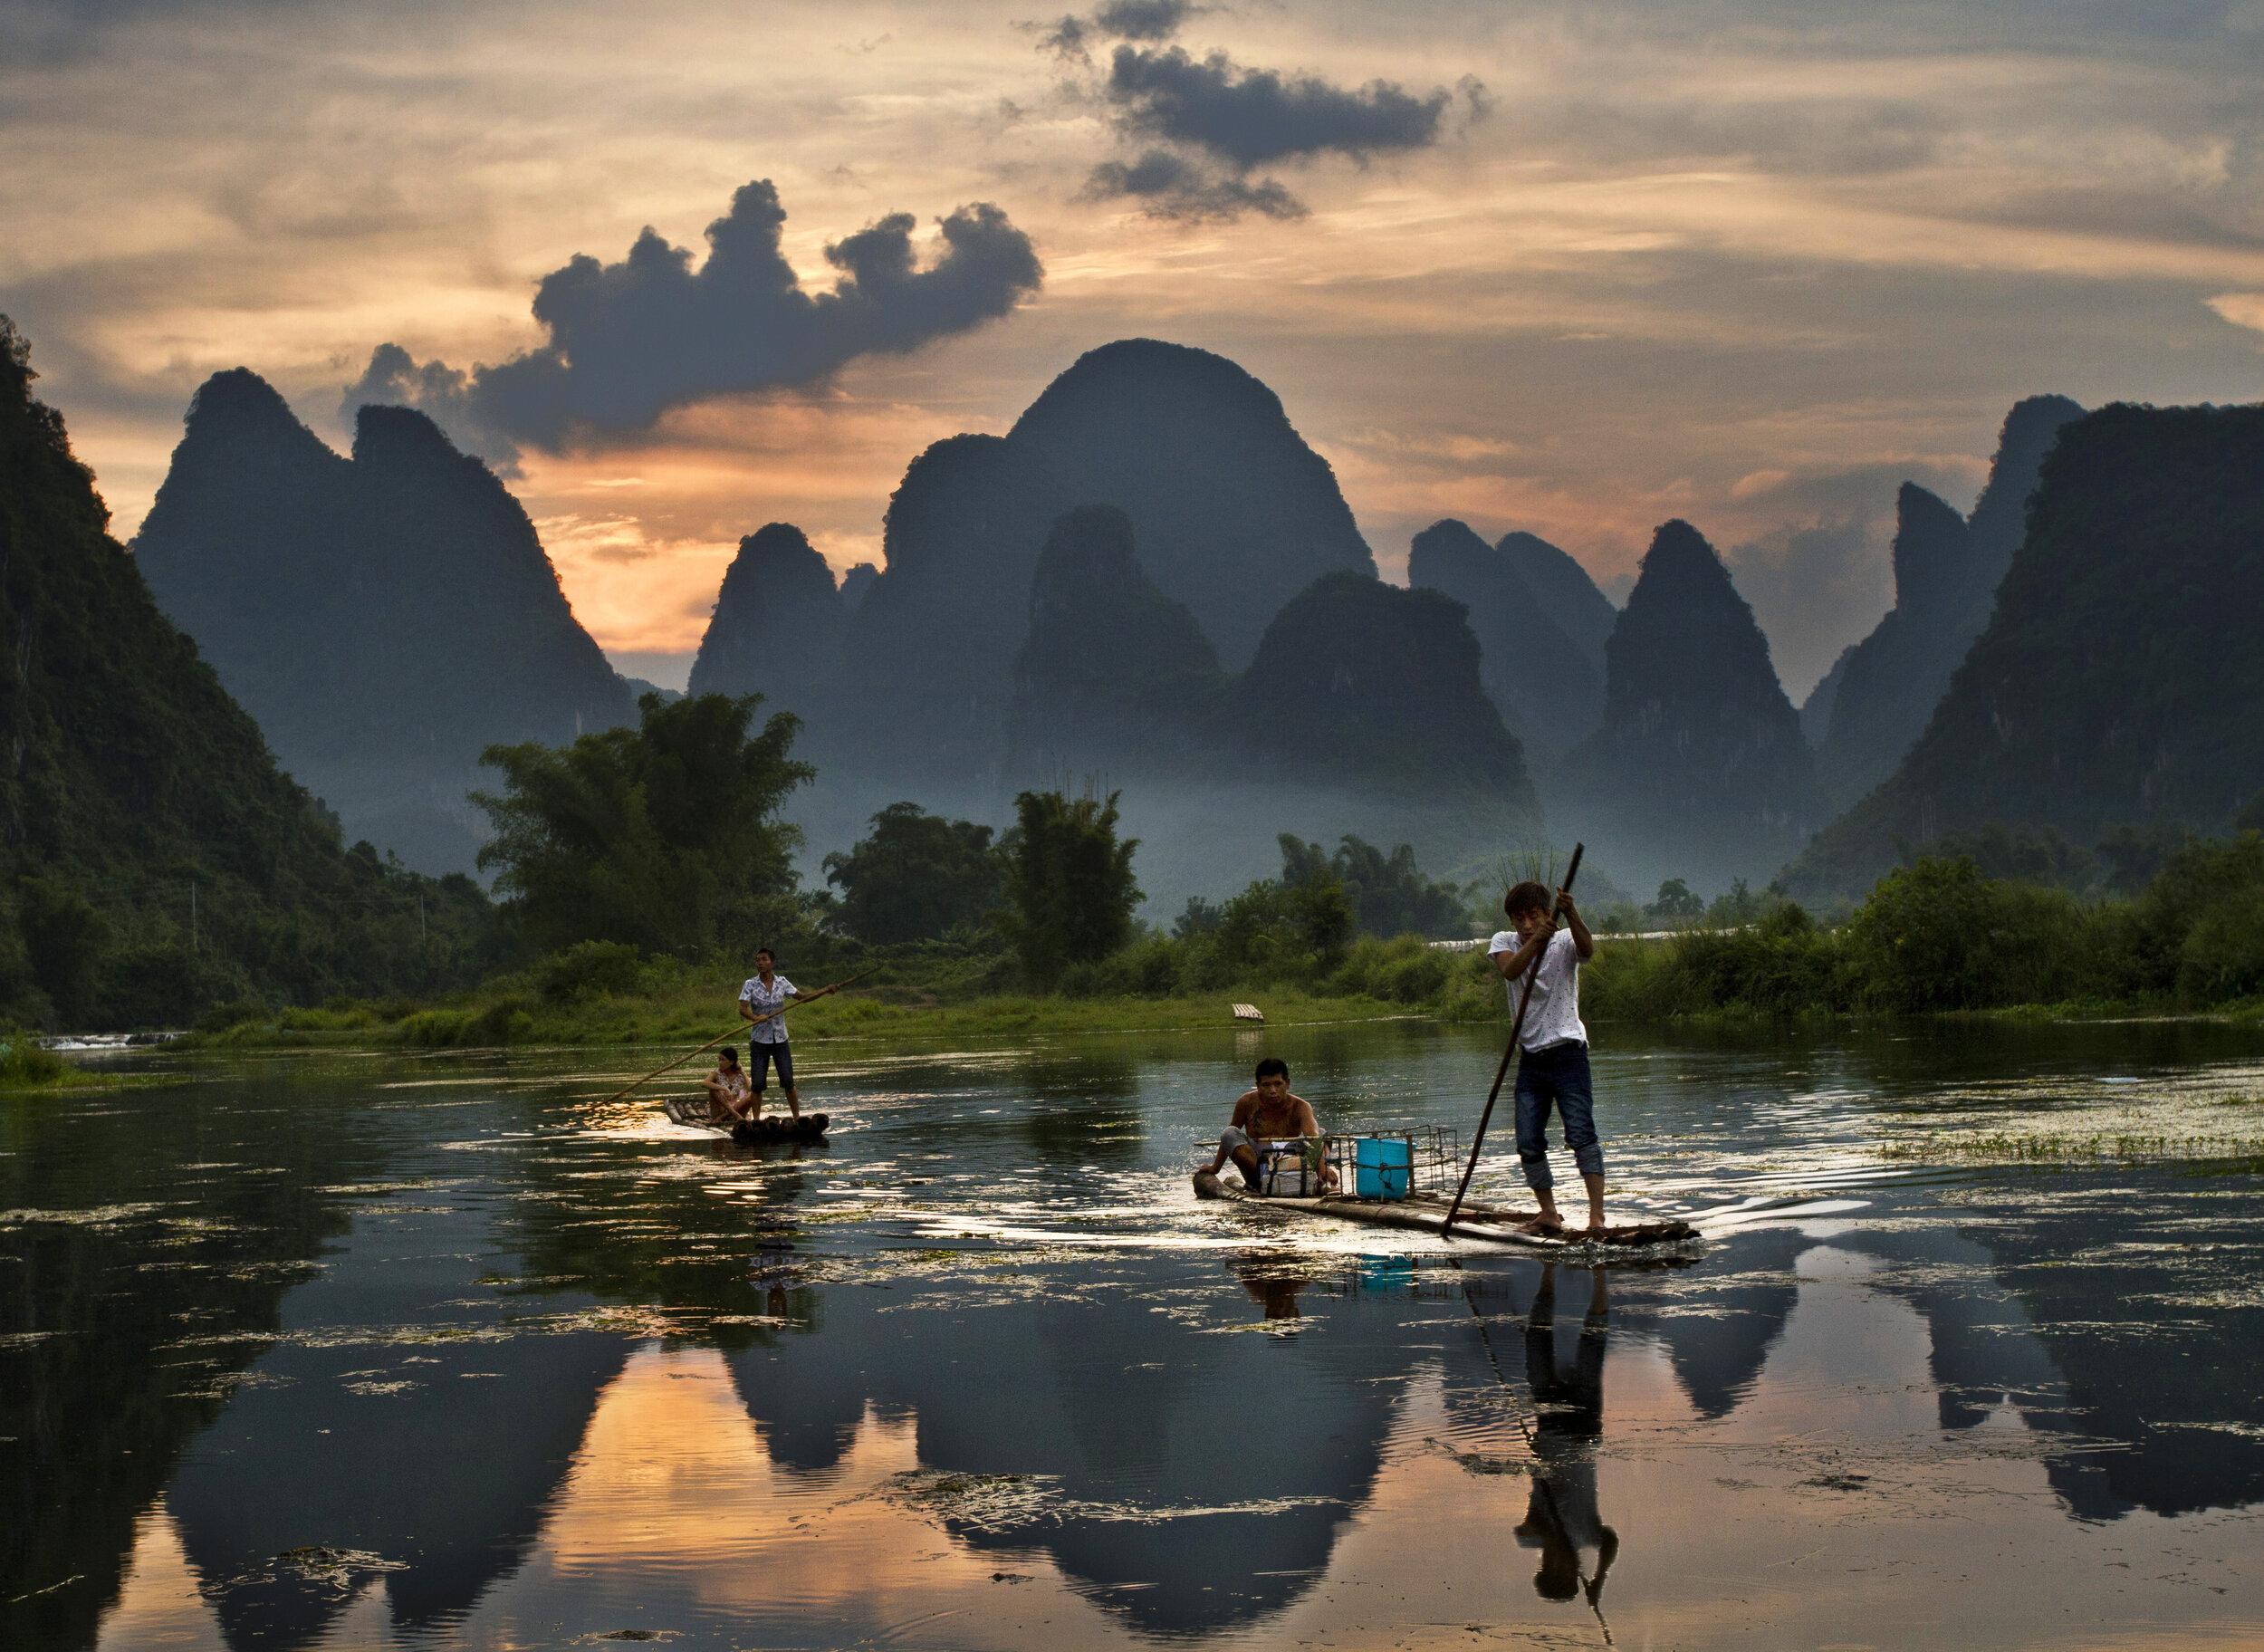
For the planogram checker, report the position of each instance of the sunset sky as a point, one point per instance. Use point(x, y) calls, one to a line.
point(1574, 269)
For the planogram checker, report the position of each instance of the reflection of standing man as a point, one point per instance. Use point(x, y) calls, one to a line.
point(1561, 1520)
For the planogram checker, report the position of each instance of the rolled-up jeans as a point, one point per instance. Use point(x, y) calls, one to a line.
point(1233, 1136)
point(1557, 1076)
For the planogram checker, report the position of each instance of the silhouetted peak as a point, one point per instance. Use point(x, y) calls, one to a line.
point(1450, 537)
point(855, 583)
point(1140, 380)
point(1931, 551)
point(1682, 567)
point(780, 557)
point(1999, 517)
point(1094, 615)
point(399, 436)
point(240, 399)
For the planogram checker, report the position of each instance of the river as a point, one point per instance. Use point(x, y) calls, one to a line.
point(351, 1350)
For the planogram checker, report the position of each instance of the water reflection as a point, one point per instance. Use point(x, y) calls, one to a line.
point(508, 1374)
point(1561, 1520)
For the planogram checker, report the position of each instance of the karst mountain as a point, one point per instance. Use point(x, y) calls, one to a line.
point(385, 617)
point(2117, 678)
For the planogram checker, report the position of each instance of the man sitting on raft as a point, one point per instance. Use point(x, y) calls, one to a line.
point(730, 1097)
point(1262, 1116)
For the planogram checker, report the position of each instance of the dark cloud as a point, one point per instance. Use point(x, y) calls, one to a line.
point(1245, 117)
point(1171, 186)
point(1143, 19)
point(1151, 20)
point(630, 340)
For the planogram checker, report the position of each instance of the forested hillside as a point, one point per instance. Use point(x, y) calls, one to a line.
point(153, 859)
point(2118, 680)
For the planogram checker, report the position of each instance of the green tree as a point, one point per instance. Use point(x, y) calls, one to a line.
point(664, 836)
point(66, 938)
point(1389, 894)
point(1069, 881)
point(915, 878)
point(1675, 902)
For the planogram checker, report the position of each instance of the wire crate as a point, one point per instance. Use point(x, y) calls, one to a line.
point(1433, 1161)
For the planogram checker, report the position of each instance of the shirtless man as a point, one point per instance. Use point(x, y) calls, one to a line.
point(729, 1096)
point(1265, 1115)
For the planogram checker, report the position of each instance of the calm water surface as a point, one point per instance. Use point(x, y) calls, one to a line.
point(373, 1351)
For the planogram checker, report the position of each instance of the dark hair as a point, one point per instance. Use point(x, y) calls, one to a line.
point(1271, 1065)
point(762, 952)
point(1526, 897)
point(729, 1053)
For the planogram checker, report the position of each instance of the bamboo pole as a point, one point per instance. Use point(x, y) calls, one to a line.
point(1532, 974)
point(732, 1032)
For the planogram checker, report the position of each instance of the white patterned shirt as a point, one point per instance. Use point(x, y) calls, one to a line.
point(1554, 1015)
point(764, 1001)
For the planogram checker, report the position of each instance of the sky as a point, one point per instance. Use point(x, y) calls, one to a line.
point(1574, 269)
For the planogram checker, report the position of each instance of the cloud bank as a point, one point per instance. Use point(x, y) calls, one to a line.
point(628, 342)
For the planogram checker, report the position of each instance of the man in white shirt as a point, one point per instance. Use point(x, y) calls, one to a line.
point(767, 993)
point(1552, 1047)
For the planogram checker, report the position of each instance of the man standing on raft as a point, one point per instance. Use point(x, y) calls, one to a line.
point(767, 992)
point(1552, 1057)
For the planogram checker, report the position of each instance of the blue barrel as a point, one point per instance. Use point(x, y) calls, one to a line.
point(1382, 1167)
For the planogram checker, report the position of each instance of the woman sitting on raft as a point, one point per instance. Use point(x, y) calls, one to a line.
point(1262, 1116)
point(730, 1097)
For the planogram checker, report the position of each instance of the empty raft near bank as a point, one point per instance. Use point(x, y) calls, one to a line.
point(1426, 1213)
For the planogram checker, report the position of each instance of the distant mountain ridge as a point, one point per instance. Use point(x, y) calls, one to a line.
point(1699, 770)
point(778, 622)
point(2117, 679)
point(385, 618)
point(1947, 570)
point(1547, 683)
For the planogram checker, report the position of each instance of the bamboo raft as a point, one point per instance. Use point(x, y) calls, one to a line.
point(1426, 1213)
point(691, 1112)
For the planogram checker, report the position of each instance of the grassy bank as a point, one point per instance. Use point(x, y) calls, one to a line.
point(26, 1066)
point(925, 1000)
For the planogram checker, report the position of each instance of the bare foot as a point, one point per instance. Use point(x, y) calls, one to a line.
point(1544, 1226)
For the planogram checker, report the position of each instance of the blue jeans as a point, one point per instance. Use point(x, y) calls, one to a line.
point(1556, 1076)
point(760, 1057)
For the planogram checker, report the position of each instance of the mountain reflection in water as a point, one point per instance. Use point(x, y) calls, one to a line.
point(494, 1367)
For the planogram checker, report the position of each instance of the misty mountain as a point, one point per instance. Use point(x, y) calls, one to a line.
point(920, 690)
point(778, 622)
point(2117, 679)
point(1114, 676)
point(1699, 770)
point(1362, 685)
point(1946, 574)
point(384, 617)
point(1537, 676)
point(1564, 591)
point(153, 859)
point(1816, 711)
point(1233, 513)
point(1362, 712)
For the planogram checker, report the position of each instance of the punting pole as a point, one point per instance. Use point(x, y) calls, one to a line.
point(732, 1032)
point(1532, 974)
